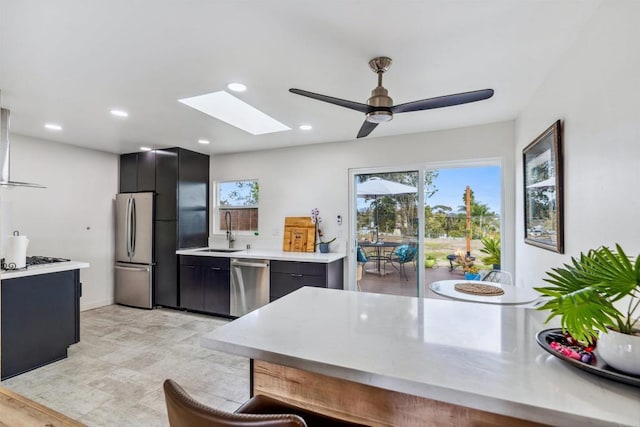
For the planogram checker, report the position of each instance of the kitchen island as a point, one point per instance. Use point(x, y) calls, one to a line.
point(40, 315)
point(392, 360)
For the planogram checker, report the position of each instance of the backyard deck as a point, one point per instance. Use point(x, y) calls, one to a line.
point(392, 283)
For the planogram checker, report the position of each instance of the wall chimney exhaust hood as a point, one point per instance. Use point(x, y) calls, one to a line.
point(5, 179)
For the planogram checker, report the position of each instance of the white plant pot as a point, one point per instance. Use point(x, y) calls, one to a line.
point(620, 351)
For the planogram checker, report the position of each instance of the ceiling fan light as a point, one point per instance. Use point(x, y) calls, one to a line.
point(379, 116)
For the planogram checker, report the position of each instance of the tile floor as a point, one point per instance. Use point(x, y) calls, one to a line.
point(114, 375)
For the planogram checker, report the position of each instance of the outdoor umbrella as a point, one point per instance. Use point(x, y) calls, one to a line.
point(381, 187)
point(550, 182)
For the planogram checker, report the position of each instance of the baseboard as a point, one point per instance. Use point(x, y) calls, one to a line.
point(95, 304)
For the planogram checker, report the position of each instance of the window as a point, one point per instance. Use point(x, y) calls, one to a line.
point(240, 199)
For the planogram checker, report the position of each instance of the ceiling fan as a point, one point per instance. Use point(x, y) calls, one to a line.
point(379, 108)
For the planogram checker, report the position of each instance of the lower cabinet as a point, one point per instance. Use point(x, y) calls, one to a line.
point(287, 276)
point(205, 284)
point(40, 319)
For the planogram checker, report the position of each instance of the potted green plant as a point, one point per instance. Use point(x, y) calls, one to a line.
point(585, 295)
point(491, 247)
point(317, 220)
point(471, 272)
point(429, 261)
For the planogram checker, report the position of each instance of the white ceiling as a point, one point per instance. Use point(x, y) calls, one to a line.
point(71, 61)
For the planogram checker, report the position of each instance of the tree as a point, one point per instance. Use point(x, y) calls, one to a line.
point(480, 214)
point(384, 213)
point(405, 204)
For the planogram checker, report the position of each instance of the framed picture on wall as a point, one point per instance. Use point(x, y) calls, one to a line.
point(543, 190)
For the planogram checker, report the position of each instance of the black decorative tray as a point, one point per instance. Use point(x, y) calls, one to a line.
point(596, 366)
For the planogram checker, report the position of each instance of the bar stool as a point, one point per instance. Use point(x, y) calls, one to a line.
point(259, 411)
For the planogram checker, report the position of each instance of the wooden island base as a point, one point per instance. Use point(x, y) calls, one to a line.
point(19, 411)
point(366, 404)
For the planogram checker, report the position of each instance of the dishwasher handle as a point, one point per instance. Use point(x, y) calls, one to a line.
point(249, 264)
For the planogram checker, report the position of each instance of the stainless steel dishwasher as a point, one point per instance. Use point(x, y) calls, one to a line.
point(249, 285)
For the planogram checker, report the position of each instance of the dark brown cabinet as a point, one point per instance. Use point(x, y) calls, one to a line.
point(205, 284)
point(287, 276)
point(191, 286)
point(138, 172)
point(180, 180)
point(217, 286)
point(40, 320)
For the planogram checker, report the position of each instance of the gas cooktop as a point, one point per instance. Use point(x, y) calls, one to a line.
point(34, 260)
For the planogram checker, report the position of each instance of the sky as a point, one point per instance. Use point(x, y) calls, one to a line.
point(451, 184)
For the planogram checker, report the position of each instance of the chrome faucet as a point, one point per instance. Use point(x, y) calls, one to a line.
point(227, 220)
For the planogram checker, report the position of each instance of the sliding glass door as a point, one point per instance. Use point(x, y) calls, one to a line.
point(387, 232)
point(412, 227)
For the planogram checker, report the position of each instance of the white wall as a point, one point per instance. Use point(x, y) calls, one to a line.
point(295, 180)
point(72, 217)
point(595, 90)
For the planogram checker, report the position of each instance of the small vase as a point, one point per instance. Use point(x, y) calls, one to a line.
point(620, 351)
point(324, 248)
point(471, 276)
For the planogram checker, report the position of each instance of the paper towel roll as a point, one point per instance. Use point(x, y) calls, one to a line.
point(16, 252)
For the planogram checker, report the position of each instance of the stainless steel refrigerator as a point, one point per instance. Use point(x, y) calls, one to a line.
point(134, 249)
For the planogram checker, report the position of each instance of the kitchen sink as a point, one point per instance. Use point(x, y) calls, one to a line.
point(219, 250)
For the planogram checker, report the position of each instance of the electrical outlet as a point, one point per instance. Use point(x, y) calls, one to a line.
point(339, 219)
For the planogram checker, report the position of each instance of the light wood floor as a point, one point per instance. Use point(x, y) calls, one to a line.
point(114, 375)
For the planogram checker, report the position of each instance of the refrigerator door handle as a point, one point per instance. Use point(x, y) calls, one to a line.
point(121, 267)
point(127, 230)
point(133, 227)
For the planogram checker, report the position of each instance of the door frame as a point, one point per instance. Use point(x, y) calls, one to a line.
point(352, 240)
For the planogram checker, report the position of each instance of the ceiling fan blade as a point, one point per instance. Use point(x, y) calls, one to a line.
point(443, 101)
point(366, 129)
point(363, 108)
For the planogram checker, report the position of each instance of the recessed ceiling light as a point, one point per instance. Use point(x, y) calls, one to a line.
point(145, 148)
point(119, 113)
point(53, 126)
point(203, 141)
point(226, 107)
point(306, 127)
point(237, 87)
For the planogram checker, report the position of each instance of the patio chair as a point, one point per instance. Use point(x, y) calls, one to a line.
point(361, 257)
point(402, 255)
point(498, 276)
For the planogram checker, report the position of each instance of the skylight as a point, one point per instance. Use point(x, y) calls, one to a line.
point(226, 107)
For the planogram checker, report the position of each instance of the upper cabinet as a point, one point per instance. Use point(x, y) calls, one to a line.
point(182, 185)
point(138, 172)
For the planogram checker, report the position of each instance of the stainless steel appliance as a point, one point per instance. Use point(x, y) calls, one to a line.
point(33, 260)
point(249, 285)
point(134, 249)
point(5, 179)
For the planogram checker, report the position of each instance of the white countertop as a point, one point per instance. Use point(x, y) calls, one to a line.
point(44, 269)
point(476, 355)
point(270, 254)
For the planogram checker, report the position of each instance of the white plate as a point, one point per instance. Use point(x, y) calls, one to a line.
point(512, 294)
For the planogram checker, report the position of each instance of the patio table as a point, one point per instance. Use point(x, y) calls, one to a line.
point(378, 257)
